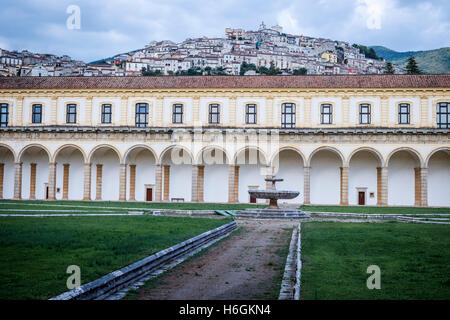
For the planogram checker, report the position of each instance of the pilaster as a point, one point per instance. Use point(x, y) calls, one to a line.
point(17, 180)
point(87, 182)
point(51, 181)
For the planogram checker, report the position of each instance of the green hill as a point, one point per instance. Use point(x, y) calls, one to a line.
point(430, 61)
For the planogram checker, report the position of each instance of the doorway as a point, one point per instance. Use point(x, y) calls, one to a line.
point(361, 198)
point(149, 194)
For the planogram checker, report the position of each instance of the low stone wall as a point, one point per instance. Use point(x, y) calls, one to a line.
point(116, 280)
point(290, 286)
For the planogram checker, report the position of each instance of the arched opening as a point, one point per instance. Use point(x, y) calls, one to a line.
point(69, 173)
point(402, 178)
point(35, 173)
point(6, 173)
point(105, 174)
point(325, 177)
point(439, 178)
point(176, 174)
point(215, 174)
point(250, 169)
point(363, 178)
point(141, 166)
point(290, 168)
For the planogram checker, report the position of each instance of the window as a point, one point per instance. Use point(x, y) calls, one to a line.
point(288, 115)
point(250, 114)
point(177, 113)
point(71, 113)
point(326, 114)
point(36, 116)
point(141, 115)
point(364, 113)
point(403, 113)
point(106, 113)
point(4, 114)
point(443, 115)
point(214, 114)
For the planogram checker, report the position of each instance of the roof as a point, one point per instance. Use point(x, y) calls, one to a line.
point(230, 82)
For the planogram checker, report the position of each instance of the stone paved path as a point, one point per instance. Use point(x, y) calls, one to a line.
point(242, 266)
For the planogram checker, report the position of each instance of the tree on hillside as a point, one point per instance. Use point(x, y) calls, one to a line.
point(412, 67)
point(246, 67)
point(389, 68)
point(300, 71)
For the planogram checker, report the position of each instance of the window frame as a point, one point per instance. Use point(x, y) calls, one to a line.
point(401, 113)
point(368, 113)
point(139, 113)
point(176, 107)
point(216, 113)
point(284, 114)
point(70, 112)
point(253, 114)
point(329, 113)
point(34, 114)
point(4, 114)
point(103, 113)
point(446, 124)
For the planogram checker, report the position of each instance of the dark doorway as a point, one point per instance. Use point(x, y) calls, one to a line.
point(149, 194)
point(361, 198)
point(252, 199)
point(46, 193)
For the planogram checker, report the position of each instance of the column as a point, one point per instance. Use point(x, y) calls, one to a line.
point(233, 184)
point(306, 185)
point(87, 182)
point(33, 181)
point(132, 182)
point(123, 182)
point(194, 185)
point(2, 171)
point(18, 180)
point(382, 188)
point(66, 167)
point(52, 181)
point(346, 111)
point(344, 186)
point(166, 182)
point(158, 183)
point(200, 182)
point(98, 183)
point(424, 186)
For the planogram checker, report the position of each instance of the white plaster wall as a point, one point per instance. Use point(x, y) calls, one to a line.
point(41, 159)
point(76, 175)
point(145, 173)
point(240, 110)
point(27, 112)
point(362, 174)
point(325, 178)
point(6, 157)
point(439, 179)
point(337, 109)
point(204, 109)
point(250, 175)
point(216, 183)
point(180, 181)
point(291, 170)
point(401, 179)
point(110, 174)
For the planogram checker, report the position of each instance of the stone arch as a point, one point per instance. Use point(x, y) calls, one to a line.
point(409, 150)
point(284, 149)
point(243, 149)
point(37, 145)
point(199, 157)
point(91, 153)
point(15, 156)
point(160, 159)
point(373, 151)
point(438, 177)
point(132, 148)
point(427, 160)
point(326, 148)
point(55, 154)
point(35, 182)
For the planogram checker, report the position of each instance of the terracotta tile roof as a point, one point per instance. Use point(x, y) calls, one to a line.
point(200, 82)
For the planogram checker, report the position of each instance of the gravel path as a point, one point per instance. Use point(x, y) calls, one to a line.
point(246, 265)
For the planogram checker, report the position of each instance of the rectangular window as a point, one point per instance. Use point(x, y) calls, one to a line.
point(106, 113)
point(141, 115)
point(4, 114)
point(177, 113)
point(71, 113)
point(403, 113)
point(443, 115)
point(326, 114)
point(214, 114)
point(250, 114)
point(36, 113)
point(364, 113)
point(288, 115)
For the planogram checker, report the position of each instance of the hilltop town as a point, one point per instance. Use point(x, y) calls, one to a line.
point(266, 51)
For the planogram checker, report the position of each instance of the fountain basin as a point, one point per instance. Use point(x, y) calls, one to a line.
point(273, 196)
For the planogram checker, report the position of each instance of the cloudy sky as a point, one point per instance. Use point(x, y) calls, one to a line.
point(108, 27)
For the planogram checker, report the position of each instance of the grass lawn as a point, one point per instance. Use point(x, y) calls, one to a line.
point(379, 210)
point(9, 206)
point(35, 252)
point(414, 260)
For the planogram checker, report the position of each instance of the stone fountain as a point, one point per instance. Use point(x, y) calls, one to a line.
point(273, 211)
